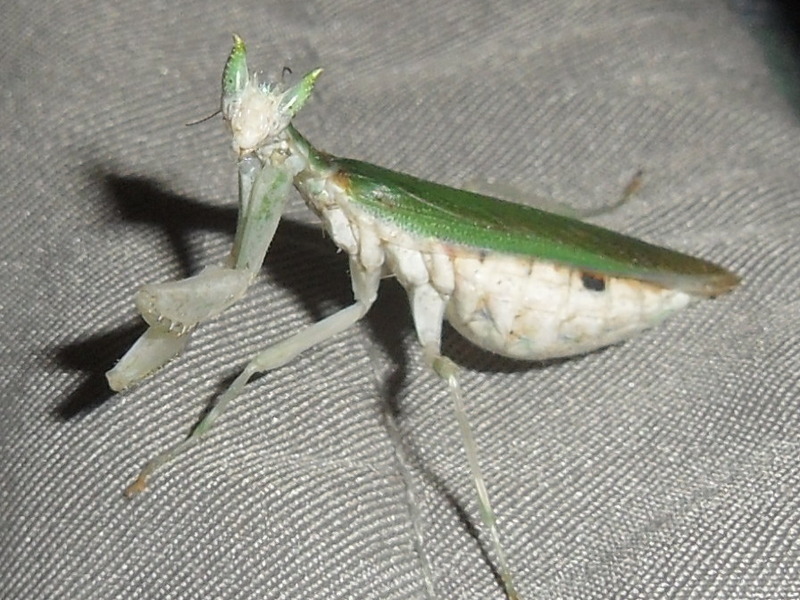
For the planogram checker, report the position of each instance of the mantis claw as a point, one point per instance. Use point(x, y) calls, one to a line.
point(180, 305)
point(173, 310)
point(155, 348)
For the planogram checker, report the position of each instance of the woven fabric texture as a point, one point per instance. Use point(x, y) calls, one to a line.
point(665, 467)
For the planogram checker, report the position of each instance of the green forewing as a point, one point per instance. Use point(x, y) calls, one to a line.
point(469, 219)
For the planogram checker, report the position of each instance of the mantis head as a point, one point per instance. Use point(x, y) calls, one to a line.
point(258, 113)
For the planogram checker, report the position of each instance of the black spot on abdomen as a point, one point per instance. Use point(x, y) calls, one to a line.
point(594, 283)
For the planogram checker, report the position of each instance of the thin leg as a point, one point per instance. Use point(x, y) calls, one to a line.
point(413, 506)
point(633, 186)
point(428, 307)
point(506, 191)
point(365, 287)
point(448, 371)
point(490, 187)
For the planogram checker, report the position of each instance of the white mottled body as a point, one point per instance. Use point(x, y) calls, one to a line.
point(516, 306)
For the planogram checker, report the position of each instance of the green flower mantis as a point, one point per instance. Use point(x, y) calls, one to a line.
point(515, 280)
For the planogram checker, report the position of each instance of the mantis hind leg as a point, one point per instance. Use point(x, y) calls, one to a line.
point(365, 288)
point(497, 189)
point(428, 310)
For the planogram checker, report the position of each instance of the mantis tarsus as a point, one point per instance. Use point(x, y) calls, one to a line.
point(515, 280)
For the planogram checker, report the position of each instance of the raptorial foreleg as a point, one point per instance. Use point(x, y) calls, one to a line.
point(365, 289)
point(174, 309)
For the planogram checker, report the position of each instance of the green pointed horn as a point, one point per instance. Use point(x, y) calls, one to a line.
point(295, 97)
point(234, 77)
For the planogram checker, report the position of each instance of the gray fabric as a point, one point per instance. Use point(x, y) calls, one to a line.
point(666, 467)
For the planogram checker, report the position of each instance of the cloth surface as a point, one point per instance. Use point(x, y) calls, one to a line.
point(665, 467)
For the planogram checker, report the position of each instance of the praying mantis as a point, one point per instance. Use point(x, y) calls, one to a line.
point(513, 279)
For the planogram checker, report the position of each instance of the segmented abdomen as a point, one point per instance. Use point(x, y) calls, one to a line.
point(535, 310)
point(516, 306)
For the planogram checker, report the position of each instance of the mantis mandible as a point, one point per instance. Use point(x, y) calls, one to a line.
point(513, 279)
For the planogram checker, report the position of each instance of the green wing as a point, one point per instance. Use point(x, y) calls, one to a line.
point(478, 221)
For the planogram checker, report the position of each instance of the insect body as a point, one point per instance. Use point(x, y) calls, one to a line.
point(558, 298)
point(515, 280)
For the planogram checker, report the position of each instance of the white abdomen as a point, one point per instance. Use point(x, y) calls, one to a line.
point(534, 310)
point(520, 307)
